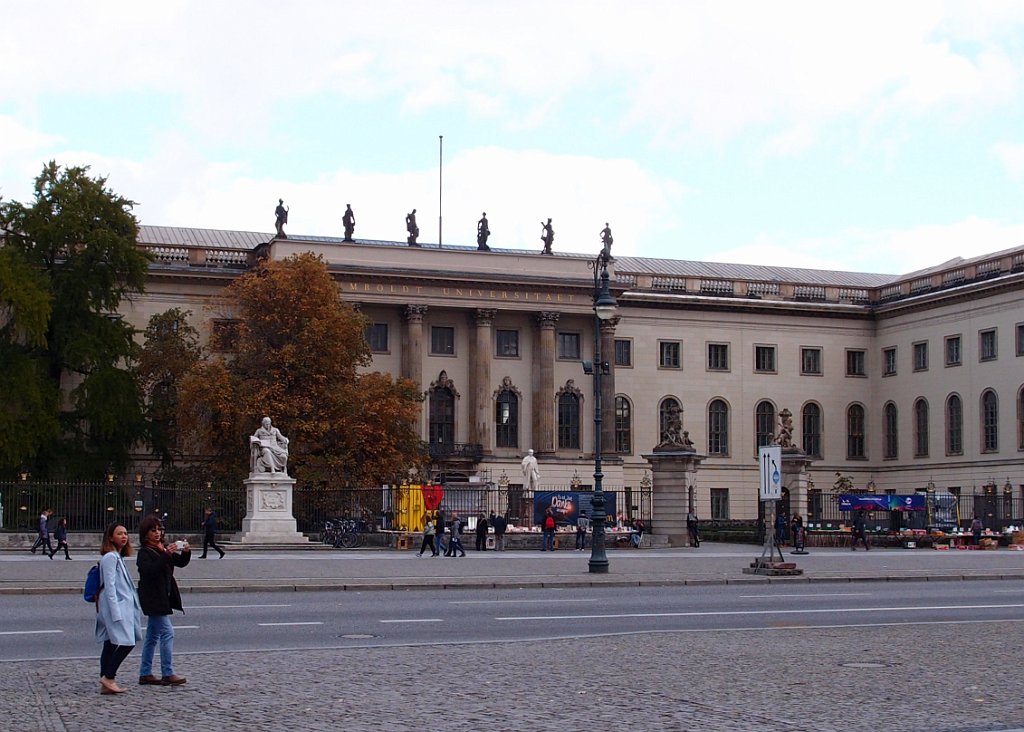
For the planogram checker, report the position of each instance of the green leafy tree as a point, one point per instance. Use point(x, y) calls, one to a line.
point(170, 349)
point(297, 355)
point(67, 369)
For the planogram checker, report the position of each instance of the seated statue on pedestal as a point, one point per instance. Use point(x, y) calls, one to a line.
point(269, 449)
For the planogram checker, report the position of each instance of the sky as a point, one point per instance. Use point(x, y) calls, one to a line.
point(870, 136)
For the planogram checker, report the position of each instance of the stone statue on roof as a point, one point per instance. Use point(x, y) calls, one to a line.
point(548, 236)
point(281, 215)
point(412, 228)
point(482, 232)
point(349, 222)
point(606, 240)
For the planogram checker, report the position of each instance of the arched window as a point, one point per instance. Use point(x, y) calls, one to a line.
point(811, 432)
point(764, 424)
point(623, 426)
point(920, 428)
point(568, 421)
point(506, 419)
point(989, 421)
point(442, 417)
point(718, 428)
point(890, 433)
point(855, 432)
point(667, 406)
point(954, 425)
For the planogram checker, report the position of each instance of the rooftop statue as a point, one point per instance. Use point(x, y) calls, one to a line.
point(412, 228)
point(349, 222)
point(281, 215)
point(482, 232)
point(548, 237)
point(606, 239)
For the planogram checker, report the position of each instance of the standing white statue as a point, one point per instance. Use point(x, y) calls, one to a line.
point(531, 473)
point(269, 449)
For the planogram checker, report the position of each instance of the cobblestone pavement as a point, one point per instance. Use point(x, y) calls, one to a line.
point(913, 677)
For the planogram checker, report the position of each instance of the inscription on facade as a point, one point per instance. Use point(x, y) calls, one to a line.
point(467, 293)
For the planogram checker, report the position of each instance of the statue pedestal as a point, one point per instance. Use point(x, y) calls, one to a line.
point(673, 476)
point(796, 478)
point(268, 511)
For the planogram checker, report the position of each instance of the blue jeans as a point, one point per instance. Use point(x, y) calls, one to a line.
point(158, 630)
point(548, 541)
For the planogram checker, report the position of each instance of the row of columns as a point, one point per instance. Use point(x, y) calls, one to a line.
point(543, 374)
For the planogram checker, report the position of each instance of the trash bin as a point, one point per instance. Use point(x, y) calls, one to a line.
point(490, 542)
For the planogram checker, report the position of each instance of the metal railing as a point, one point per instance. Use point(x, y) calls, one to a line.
point(996, 511)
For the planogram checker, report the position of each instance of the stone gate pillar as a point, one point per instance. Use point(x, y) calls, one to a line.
point(673, 472)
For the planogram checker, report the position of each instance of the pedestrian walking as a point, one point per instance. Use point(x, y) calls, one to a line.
point(43, 533)
point(500, 524)
point(428, 540)
point(582, 526)
point(860, 531)
point(455, 540)
point(118, 616)
point(547, 526)
point(209, 527)
point(692, 528)
point(61, 535)
point(481, 533)
point(159, 598)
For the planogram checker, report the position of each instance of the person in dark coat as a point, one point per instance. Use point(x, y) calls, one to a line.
point(210, 533)
point(860, 532)
point(159, 597)
point(481, 533)
point(500, 523)
point(43, 533)
point(61, 535)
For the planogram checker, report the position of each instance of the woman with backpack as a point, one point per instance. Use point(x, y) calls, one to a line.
point(118, 617)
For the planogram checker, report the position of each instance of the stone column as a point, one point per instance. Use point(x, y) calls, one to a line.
point(608, 386)
point(544, 385)
point(480, 378)
point(412, 343)
point(796, 478)
point(673, 474)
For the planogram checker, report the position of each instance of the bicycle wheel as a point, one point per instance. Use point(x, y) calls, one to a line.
point(350, 541)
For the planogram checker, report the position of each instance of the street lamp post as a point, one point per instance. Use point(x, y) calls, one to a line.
point(604, 309)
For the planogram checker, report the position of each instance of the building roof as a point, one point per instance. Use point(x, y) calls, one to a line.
point(753, 272)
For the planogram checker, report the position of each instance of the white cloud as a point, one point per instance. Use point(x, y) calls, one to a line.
point(886, 251)
point(1011, 156)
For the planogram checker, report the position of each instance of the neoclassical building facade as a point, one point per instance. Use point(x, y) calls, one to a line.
point(894, 381)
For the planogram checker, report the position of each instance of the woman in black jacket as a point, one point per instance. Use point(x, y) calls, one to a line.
point(159, 597)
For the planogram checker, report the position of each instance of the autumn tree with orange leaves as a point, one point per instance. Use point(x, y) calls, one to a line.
point(297, 354)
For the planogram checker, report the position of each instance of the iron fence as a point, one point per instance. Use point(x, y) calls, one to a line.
point(91, 506)
point(997, 511)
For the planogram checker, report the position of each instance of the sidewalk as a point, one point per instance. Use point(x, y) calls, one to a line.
point(248, 571)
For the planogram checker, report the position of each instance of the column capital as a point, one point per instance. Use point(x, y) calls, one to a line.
point(414, 313)
point(547, 319)
point(483, 316)
point(608, 326)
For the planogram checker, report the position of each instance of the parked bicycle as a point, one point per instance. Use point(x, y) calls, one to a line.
point(344, 533)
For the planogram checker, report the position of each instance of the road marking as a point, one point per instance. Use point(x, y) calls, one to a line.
point(415, 620)
point(761, 612)
point(276, 625)
point(517, 602)
point(28, 632)
point(229, 607)
point(828, 594)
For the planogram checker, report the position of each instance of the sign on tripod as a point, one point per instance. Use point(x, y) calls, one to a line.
point(770, 459)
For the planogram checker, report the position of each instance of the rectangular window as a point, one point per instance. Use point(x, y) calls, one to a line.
point(1020, 339)
point(569, 346)
point(720, 504)
point(377, 337)
point(224, 335)
point(921, 356)
point(670, 354)
point(856, 363)
point(987, 345)
point(442, 340)
point(889, 361)
point(810, 361)
point(623, 352)
point(718, 357)
point(764, 359)
point(506, 343)
point(953, 355)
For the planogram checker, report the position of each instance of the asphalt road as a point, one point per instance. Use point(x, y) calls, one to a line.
point(61, 626)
